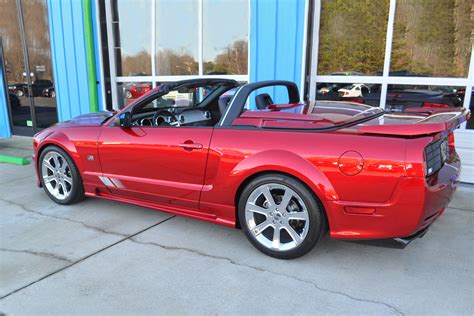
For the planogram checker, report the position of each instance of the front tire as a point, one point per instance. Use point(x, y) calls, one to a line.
point(59, 176)
point(280, 216)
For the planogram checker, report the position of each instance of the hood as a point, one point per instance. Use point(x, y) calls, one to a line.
point(91, 119)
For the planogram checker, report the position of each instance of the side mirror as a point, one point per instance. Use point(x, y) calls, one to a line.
point(125, 119)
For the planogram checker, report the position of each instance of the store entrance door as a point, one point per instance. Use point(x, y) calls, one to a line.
point(26, 58)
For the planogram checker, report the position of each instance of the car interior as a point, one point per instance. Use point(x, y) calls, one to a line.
point(190, 105)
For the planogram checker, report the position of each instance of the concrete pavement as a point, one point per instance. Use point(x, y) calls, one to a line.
point(101, 257)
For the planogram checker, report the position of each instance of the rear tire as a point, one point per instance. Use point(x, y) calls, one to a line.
point(59, 176)
point(280, 216)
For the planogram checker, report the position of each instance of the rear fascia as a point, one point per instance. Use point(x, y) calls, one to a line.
point(414, 205)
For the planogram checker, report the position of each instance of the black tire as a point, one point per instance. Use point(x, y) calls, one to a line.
point(316, 216)
point(77, 191)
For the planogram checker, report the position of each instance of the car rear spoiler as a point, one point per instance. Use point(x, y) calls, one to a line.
point(432, 121)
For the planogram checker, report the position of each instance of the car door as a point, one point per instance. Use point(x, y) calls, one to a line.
point(164, 165)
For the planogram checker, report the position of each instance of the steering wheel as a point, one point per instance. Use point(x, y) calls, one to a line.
point(165, 118)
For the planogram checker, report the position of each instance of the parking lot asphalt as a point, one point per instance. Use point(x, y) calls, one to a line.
point(101, 257)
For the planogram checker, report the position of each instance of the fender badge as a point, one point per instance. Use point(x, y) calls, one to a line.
point(90, 157)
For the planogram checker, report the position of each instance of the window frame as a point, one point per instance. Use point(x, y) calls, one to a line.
point(384, 80)
point(114, 79)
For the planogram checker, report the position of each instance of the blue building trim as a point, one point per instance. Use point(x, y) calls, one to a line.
point(276, 42)
point(5, 130)
point(66, 24)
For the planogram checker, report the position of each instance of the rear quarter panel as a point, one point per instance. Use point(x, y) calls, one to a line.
point(237, 154)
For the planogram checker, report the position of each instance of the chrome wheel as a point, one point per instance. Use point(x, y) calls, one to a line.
point(276, 217)
point(57, 176)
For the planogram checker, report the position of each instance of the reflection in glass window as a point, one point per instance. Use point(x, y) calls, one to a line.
point(352, 92)
point(432, 38)
point(129, 91)
point(402, 97)
point(177, 37)
point(15, 69)
point(183, 98)
point(352, 37)
point(39, 53)
point(132, 37)
point(225, 49)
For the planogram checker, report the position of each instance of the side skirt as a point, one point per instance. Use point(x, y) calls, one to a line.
point(195, 214)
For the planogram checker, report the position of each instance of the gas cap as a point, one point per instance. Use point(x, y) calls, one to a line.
point(351, 163)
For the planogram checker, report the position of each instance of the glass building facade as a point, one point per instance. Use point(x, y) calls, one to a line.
point(60, 59)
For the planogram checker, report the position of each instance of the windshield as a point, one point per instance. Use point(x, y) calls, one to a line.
point(190, 96)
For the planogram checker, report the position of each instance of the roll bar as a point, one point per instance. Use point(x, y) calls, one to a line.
point(237, 103)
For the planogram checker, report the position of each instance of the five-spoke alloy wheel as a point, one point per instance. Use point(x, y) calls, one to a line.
point(280, 216)
point(59, 176)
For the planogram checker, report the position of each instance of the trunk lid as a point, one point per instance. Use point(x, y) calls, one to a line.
point(415, 122)
point(353, 117)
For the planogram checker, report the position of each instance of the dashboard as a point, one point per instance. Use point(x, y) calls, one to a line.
point(172, 117)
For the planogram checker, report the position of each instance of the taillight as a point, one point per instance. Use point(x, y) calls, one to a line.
point(435, 155)
point(451, 140)
point(435, 105)
point(358, 100)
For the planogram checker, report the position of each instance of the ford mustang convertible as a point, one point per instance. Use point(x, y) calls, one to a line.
point(286, 173)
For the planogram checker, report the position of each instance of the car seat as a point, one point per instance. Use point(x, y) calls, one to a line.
point(263, 100)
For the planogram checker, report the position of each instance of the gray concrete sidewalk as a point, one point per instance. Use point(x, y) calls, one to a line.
point(101, 257)
point(18, 146)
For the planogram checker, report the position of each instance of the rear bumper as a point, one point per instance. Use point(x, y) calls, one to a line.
point(396, 243)
point(413, 207)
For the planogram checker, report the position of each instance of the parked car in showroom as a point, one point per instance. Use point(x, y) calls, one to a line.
point(49, 92)
point(139, 89)
point(37, 88)
point(401, 98)
point(39, 85)
point(355, 90)
point(330, 89)
point(286, 174)
point(19, 89)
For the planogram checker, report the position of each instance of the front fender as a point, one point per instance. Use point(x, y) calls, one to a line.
point(61, 140)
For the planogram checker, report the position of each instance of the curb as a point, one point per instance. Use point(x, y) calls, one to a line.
point(21, 161)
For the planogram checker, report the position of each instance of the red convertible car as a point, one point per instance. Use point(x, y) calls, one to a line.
point(287, 174)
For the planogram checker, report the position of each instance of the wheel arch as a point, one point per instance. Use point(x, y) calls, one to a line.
point(60, 140)
point(258, 174)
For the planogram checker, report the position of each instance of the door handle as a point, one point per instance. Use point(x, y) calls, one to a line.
point(189, 145)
